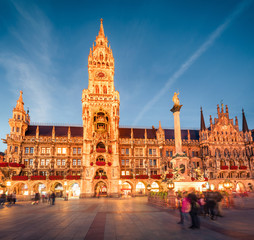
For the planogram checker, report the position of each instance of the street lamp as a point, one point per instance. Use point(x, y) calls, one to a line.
point(227, 184)
point(171, 185)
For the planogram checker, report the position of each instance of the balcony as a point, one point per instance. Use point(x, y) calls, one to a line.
point(233, 167)
point(224, 167)
point(19, 178)
point(141, 176)
point(243, 167)
point(38, 178)
point(100, 163)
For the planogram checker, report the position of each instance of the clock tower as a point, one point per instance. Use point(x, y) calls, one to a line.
point(100, 116)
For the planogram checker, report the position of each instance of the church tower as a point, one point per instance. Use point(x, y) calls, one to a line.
point(18, 124)
point(100, 115)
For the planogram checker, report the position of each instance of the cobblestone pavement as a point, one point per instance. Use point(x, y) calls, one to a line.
point(110, 219)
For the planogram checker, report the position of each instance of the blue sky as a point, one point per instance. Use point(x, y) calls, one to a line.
point(203, 49)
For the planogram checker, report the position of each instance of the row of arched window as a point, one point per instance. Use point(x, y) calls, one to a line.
point(104, 89)
point(226, 153)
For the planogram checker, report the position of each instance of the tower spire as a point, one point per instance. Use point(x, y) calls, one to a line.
point(245, 125)
point(101, 32)
point(202, 122)
point(20, 103)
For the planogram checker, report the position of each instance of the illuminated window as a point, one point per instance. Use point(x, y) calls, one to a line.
point(58, 162)
point(79, 162)
point(31, 162)
point(48, 150)
point(79, 150)
point(42, 150)
point(42, 162)
point(64, 151)
point(74, 162)
point(63, 162)
point(59, 150)
point(31, 150)
point(26, 162)
point(47, 162)
point(74, 150)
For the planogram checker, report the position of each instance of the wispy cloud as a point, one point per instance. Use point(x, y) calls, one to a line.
point(28, 65)
point(198, 53)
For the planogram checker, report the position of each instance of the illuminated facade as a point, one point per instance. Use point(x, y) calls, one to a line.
point(102, 158)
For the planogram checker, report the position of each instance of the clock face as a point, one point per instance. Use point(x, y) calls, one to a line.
point(100, 75)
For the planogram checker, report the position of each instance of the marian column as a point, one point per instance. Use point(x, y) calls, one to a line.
point(179, 159)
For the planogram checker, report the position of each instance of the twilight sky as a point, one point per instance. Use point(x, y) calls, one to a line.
point(203, 49)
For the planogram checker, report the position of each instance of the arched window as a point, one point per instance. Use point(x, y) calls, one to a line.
point(232, 162)
point(97, 89)
point(100, 147)
point(226, 153)
point(217, 153)
point(104, 89)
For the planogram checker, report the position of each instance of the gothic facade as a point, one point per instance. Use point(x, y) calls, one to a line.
point(100, 157)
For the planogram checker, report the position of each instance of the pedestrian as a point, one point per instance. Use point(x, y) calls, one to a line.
point(179, 205)
point(9, 198)
point(49, 197)
point(202, 203)
point(185, 208)
point(53, 198)
point(195, 223)
point(3, 199)
point(219, 198)
point(36, 198)
point(211, 203)
point(13, 197)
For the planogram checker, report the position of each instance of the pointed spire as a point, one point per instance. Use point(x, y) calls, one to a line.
point(236, 121)
point(189, 135)
point(160, 128)
point(202, 122)
point(245, 125)
point(101, 32)
point(20, 103)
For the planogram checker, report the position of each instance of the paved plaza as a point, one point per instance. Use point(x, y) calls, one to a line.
point(110, 219)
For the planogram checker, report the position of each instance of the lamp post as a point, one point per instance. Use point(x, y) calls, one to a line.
point(66, 194)
point(228, 185)
point(171, 185)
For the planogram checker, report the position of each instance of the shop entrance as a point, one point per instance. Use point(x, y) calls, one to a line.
point(126, 189)
point(100, 189)
point(74, 190)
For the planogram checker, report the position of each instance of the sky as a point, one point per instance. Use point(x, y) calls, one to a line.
point(203, 49)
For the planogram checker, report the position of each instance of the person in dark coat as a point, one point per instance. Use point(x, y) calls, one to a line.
point(36, 198)
point(195, 223)
point(53, 198)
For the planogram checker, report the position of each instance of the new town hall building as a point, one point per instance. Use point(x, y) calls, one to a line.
point(102, 158)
